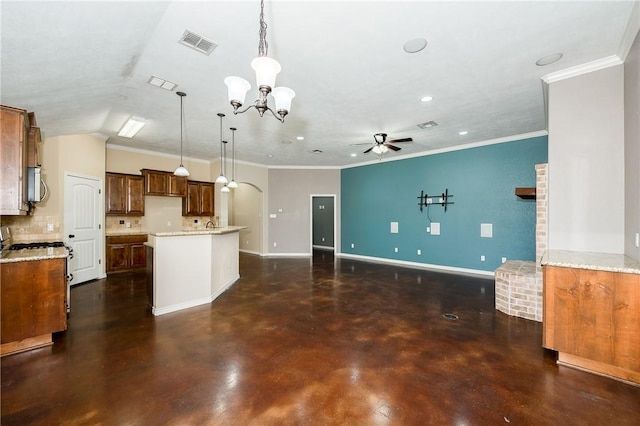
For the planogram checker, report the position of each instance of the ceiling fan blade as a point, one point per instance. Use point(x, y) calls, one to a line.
point(361, 143)
point(401, 140)
point(368, 150)
point(395, 148)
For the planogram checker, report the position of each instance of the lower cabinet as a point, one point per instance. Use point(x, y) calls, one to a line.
point(34, 303)
point(126, 252)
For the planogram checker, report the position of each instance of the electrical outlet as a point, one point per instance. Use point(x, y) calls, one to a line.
point(395, 249)
point(482, 258)
point(275, 244)
point(121, 222)
point(419, 252)
point(504, 259)
point(637, 239)
point(353, 245)
point(322, 238)
point(49, 227)
point(127, 224)
point(169, 223)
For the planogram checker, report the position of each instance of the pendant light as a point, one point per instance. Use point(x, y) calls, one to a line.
point(221, 178)
point(233, 184)
point(225, 188)
point(181, 170)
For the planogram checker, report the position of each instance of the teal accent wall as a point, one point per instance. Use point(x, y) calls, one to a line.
point(482, 181)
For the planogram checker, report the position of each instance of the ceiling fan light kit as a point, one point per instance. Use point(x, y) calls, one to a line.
point(181, 170)
point(382, 146)
point(266, 71)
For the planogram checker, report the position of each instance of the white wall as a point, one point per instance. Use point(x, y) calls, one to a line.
point(586, 162)
point(632, 148)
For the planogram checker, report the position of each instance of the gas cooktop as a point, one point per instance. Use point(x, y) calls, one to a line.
point(37, 245)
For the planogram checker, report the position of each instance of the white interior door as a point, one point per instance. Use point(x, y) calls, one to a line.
point(83, 226)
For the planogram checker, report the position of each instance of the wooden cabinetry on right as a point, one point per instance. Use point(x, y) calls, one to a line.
point(124, 194)
point(199, 200)
point(592, 318)
point(157, 182)
point(125, 252)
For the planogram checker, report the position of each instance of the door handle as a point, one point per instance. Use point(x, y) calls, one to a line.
point(71, 236)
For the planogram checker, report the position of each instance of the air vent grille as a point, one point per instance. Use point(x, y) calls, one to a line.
point(427, 124)
point(197, 42)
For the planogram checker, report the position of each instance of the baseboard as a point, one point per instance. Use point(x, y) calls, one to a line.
point(417, 265)
point(288, 255)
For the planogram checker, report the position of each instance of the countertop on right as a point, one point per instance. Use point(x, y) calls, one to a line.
point(610, 262)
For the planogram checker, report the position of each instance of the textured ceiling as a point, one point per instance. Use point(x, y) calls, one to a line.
point(83, 67)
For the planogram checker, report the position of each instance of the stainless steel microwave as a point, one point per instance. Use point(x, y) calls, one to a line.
point(37, 189)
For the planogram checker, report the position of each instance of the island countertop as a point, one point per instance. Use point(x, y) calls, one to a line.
point(591, 261)
point(210, 231)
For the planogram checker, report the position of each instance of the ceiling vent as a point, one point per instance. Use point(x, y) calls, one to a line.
point(427, 124)
point(316, 151)
point(197, 42)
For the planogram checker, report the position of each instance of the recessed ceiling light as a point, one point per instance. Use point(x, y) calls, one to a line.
point(462, 133)
point(270, 155)
point(549, 59)
point(354, 155)
point(131, 127)
point(415, 45)
point(300, 138)
point(426, 99)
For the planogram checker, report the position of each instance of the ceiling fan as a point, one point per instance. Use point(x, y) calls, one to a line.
point(381, 143)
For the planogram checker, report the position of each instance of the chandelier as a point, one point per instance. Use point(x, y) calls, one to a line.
point(266, 70)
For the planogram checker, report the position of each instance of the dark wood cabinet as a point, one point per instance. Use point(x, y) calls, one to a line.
point(125, 252)
point(124, 194)
point(14, 153)
point(34, 303)
point(157, 182)
point(199, 200)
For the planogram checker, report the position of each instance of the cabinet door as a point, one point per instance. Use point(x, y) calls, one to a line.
point(49, 309)
point(191, 203)
point(115, 194)
point(177, 185)
point(206, 199)
point(137, 256)
point(13, 151)
point(117, 257)
point(155, 182)
point(135, 195)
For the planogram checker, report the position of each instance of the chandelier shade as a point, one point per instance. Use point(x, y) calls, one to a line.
point(283, 97)
point(237, 89)
point(266, 71)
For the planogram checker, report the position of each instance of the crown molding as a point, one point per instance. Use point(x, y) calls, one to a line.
point(592, 66)
point(630, 32)
point(156, 154)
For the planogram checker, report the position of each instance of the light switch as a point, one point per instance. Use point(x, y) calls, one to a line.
point(435, 228)
point(272, 215)
point(394, 227)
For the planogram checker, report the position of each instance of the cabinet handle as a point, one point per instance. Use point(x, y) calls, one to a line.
point(71, 236)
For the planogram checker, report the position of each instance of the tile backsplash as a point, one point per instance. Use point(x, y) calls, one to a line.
point(34, 228)
point(123, 223)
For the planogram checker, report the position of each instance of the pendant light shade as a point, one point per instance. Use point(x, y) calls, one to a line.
point(181, 170)
point(221, 179)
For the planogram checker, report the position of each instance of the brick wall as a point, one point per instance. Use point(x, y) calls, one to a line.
point(519, 282)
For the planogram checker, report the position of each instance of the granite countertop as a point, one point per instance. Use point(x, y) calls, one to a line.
point(592, 261)
point(210, 231)
point(24, 255)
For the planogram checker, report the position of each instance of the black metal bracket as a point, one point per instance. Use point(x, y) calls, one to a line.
point(443, 199)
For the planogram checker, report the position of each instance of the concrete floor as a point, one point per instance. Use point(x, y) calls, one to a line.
point(296, 341)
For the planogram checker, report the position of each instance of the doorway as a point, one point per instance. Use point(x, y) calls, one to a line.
point(83, 226)
point(323, 219)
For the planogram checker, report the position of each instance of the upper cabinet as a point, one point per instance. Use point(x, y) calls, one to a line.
point(124, 194)
point(157, 182)
point(199, 199)
point(18, 150)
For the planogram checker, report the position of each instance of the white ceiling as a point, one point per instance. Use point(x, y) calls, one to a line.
point(83, 67)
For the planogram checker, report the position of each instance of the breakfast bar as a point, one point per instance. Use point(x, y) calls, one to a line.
point(191, 268)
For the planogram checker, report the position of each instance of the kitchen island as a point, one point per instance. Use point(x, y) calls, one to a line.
point(191, 268)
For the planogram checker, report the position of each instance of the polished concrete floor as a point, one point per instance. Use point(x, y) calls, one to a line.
point(299, 342)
